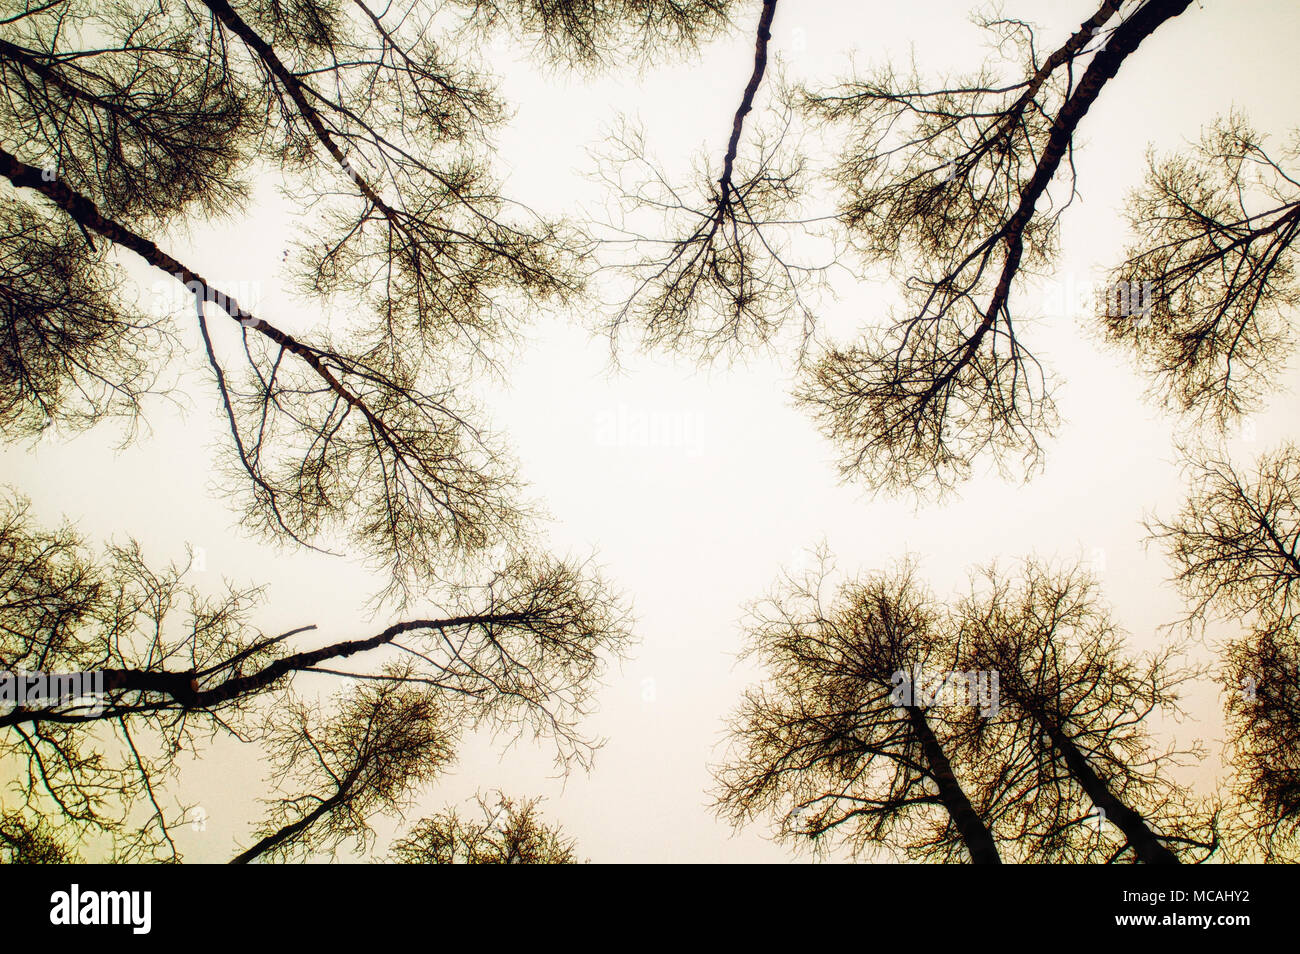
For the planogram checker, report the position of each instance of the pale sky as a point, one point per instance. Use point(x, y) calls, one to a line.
point(693, 526)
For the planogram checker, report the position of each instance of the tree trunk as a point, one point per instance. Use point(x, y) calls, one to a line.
point(1145, 844)
point(288, 831)
point(183, 687)
point(974, 833)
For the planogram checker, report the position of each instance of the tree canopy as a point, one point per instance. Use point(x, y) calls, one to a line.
point(359, 431)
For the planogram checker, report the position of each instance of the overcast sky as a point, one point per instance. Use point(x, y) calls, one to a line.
point(694, 487)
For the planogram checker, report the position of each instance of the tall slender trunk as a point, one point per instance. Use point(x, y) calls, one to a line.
point(974, 833)
point(747, 99)
point(1105, 64)
point(1146, 845)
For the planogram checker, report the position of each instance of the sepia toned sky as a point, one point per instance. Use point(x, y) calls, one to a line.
point(693, 487)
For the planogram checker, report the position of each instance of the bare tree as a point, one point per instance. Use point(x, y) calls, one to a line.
point(509, 832)
point(521, 653)
point(1073, 769)
point(1236, 546)
point(721, 275)
point(122, 122)
point(950, 184)
point(957, 185)
point(1013, 725)
point(827, 743)
point(1213, 264)
point(1235, 542)
point(118, 121)
point(387, 738)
